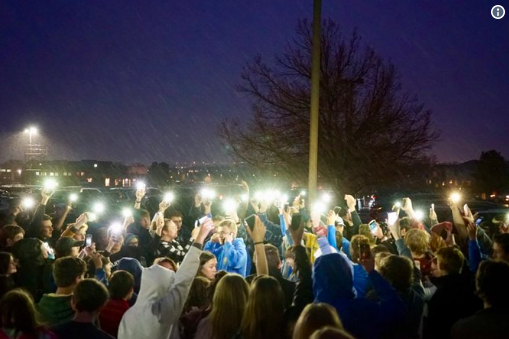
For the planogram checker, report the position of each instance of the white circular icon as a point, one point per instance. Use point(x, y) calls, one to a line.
point(497, 12)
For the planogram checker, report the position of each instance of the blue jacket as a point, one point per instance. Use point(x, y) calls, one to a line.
point(232, 257)
point(333, 284)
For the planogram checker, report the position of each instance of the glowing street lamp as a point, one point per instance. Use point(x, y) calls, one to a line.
point(31, 131)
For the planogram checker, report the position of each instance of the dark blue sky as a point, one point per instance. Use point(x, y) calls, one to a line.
point(150, 80)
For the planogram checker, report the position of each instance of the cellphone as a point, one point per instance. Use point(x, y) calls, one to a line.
point(391, 218)
point(88, 240)
point(200, 221)
point(250, 221)
point(296, 221)
point(364, 251)
point(372, 225)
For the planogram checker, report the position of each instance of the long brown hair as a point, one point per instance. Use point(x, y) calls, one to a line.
point(17, 312)
point(264, 316)
point(313, 317)
point(228, 305)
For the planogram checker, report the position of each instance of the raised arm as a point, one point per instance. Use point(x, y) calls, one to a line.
point(258, 234)
point(170, 307)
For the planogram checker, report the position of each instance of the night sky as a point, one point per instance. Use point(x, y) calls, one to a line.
point(150, 80)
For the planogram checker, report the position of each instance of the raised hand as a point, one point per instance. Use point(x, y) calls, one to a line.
point(81, 220)
point(197, 200)
point(205, 228)
point(258, 232)
point(350, 202)
point(140, 193)
point(331, 217)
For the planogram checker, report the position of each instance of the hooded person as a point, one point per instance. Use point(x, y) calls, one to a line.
point(333, 284)
point(34, 269)
point(134, 267)
point(162, 296)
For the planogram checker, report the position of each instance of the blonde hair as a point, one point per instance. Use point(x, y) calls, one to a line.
point(357, 240)
point(450, 259)
point(417, 241)
point(230, 224)
point(436, 242)
point(228, 305)
point(264, 310)
point(331, 333)
point(314, 317)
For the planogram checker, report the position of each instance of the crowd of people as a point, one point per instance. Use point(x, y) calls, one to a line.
point(266, 269)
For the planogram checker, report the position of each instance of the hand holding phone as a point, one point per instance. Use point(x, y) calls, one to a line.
point(392, 217)
point(250, 221)
point(88, 240)
point(364, 251)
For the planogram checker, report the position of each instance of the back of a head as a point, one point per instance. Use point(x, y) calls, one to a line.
point(398, 271)
point(28, 252)
point(264, 310)
point(228, 305)
point(365, 231)
point(155, 283)
point(357, 241)
point(17, 311)
point(89, 296)
point(503, 241)
point(9, 232)
point(450, 259)
point(491, 281)
point(198, 294)
point(120, 285)
point(316, 316)
point(140, 214)
point(331, 333)
point(132, 266)
point(417, 241)
point(67, 269)
point(332, 278)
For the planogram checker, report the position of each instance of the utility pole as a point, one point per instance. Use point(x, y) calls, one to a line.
point(315, 102)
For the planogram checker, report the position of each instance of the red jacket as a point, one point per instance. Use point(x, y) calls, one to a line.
point(111, 315)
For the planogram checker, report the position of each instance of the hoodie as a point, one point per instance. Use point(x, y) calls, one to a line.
point(134, 267)
point(55, 309)
point(161, 300)
point(231, 257)
point(333, 284)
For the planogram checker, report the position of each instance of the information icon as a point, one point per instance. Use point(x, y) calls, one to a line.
point(497, 12)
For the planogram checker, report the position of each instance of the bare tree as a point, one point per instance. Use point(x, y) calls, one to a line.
point(370, 132)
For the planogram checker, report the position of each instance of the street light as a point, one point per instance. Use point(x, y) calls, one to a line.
point(31, 131)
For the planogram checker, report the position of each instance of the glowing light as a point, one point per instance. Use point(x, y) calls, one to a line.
point(326, 197)
point(126, 212)
point(28, 203)
point(140, 185)
point(284, 198)
point(207, 193)
point(455, 197)
point(50, 184)
point(229, 206)
point(73, 197)
point(244, 197)
point(31, 130)
point(419, 215)
point(168, 197)
point(397, 204)
point(116, 228)
point(98, 208)
point(91, 216)
point(259, 195)
point(319, 207)
point(302, 193)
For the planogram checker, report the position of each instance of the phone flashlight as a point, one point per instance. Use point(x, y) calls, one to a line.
point(50, 184)
point(455, 197)
point(126, 212)
point(168, 197)
point(419, 215)
point(140, 185)
point(98, 208)
point(28, 203)
point(73, 197)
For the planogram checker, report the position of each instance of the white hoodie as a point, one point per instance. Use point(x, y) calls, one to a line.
point(161, 300)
